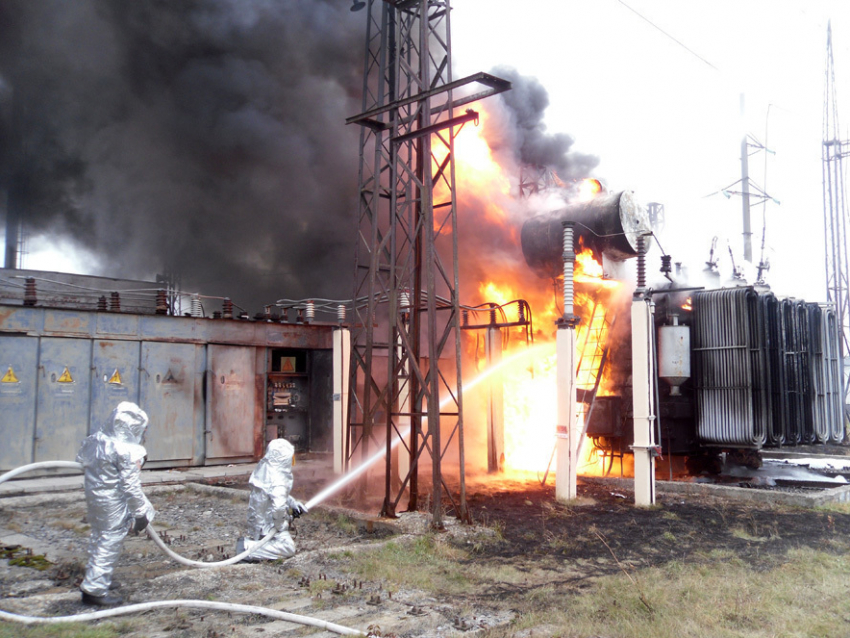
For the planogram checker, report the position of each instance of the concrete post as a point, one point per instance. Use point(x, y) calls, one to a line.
point(566, 444)
point(341, 363)
point(643, 388)
point(495, 403)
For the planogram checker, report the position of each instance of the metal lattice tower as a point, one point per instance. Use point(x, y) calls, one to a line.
point(405, 368)
point(835, 212)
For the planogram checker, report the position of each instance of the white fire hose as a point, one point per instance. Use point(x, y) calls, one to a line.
point(196, 604)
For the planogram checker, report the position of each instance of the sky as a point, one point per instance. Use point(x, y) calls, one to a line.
point(664, 116)
point(650, 87)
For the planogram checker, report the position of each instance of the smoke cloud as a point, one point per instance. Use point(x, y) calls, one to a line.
point(521, 133)
point(204, 138)
point(491, 218)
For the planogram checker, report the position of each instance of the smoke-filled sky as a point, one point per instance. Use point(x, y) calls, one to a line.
point(207, 137)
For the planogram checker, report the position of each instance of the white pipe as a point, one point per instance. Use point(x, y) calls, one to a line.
point(197, 604)
point(150, 530)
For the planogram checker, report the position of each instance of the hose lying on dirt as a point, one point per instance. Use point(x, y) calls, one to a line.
point(199, 563)
point(197, 604)
point(151, 531)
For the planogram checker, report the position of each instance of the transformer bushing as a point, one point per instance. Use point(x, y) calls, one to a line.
point(227, 308)
point(161, 302)
point(115, 302)
point(641, 268)
point(101, 304)
point(568, 320)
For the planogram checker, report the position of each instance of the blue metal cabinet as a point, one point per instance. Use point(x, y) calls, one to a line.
point(115, 378)
point(18, 357)
point(171, 394)
point(64, 390)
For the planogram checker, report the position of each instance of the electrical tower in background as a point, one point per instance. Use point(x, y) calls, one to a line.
point(405, 355)
point(835, 212)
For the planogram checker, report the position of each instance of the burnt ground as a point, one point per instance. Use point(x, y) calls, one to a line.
point(524, 526)
point(605, 521)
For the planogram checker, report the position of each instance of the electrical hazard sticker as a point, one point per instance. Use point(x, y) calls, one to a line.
point(9, 377)
point(65, 377)
point(287, 364)
point(115, 379)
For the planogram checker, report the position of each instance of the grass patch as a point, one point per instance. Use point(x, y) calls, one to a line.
point(60, 630)
point(805, 596)
point(426, 563)
point(81, 529)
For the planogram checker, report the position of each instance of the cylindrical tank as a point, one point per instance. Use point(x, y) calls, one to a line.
point(674, 355)
point(608, 224)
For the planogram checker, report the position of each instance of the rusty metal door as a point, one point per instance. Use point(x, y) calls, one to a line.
point(18, 360)
point(232, 411)
point(115, 378)
point(171, 382)
point(64, 387)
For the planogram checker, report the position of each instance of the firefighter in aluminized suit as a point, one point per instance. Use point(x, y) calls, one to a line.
point(112, 459)
point(270, 505)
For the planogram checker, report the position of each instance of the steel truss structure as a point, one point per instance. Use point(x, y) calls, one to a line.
point(835, 218)
point(405, 355)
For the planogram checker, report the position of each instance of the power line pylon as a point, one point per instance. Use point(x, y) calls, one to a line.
point(835, 213)
point(406, 359)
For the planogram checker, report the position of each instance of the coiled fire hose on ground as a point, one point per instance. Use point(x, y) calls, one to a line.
point(196, 604)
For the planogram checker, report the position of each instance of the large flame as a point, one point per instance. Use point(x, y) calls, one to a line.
point(493, 270)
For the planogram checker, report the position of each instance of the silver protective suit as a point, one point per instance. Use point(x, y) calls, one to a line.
point(112, 459)
point(270, 503)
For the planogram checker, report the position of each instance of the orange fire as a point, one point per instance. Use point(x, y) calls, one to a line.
point(588, 189)
point(492, 269)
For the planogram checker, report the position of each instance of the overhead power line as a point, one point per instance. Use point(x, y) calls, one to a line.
point(691, 51)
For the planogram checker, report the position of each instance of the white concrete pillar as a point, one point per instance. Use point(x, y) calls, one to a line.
point(643, 380)
point(495, 403)
point(341, 363)
point(567, 433)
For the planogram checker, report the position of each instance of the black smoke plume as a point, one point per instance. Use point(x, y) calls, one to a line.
point(490, 220)
point(204, 138)
point(521, 133)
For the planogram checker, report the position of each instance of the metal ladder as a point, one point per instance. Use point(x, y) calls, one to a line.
point(591, 366)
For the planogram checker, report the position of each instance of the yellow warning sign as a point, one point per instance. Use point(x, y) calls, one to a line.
point(66, 377)
point(9, 377)
point(287, 364)
point(115, 378)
